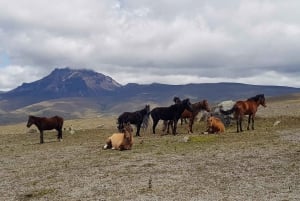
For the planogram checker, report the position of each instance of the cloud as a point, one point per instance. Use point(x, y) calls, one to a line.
point(12, 76)
point(146, 41)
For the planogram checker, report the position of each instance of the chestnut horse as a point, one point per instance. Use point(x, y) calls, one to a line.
point(215, 125)
point(120, 141)
point(171, 114)
point(248, 107)
point(43, 123)
point(197, 107)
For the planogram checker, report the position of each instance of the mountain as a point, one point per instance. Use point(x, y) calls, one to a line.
point(81, 93)
point(60, 83)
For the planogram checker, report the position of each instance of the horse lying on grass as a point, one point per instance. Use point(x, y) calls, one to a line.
point(43, 123)
point(215, 125)
point(120, 141)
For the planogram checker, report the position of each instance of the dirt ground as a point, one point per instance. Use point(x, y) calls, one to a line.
point(263, 164)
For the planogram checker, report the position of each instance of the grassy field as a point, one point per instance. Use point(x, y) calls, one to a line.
point(255, 165)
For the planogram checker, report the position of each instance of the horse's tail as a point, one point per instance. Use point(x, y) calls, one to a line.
point(228, 112)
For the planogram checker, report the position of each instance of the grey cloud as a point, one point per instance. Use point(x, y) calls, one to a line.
point(202, 40)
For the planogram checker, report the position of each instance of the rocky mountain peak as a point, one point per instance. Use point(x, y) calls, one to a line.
point(67, 82)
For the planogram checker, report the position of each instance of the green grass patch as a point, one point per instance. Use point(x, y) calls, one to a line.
point(203, 138)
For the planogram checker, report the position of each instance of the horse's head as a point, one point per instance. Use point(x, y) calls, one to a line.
point(176, 100)
point(30, 121)
point(262, 100)
point(147, 108)
point(187, 104)
point(205, 106)
point(127, 130)
point(210, 121)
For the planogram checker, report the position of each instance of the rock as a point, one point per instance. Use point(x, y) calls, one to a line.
point(276, 123)
point(186, 138)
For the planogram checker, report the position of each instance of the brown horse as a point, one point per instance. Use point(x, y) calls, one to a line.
point(248, 107)
point(215, 125)
point(43, 123)
point(121, 141)
point(197, 107)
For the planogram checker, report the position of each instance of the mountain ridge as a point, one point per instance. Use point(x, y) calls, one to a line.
point(75, 93)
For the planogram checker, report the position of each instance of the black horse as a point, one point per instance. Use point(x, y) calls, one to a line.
point(171, 113)
point(138, 118)
point(43, 123)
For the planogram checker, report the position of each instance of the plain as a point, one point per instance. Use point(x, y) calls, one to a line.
point(260, 164)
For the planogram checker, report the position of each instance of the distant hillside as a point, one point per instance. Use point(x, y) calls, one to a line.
point(213, 92)
point(82, 93)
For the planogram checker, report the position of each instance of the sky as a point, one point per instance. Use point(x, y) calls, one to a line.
point(146, 41)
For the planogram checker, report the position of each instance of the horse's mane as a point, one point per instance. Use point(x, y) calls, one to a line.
point(257, 97)
point(146, 116)
point(200, 105)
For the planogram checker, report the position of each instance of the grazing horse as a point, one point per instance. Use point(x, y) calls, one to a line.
point(215, 125)
point(248, 107)
point(43, 123)
point(171, 113)
point(120, 141)
point(197, 107)
point(138, 118)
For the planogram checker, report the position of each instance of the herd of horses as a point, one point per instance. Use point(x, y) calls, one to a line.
point(181, 109)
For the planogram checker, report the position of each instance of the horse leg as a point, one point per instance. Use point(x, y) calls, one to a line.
point(252, 122)
point(165, 124)
point(59, 136)
point(174, 127)
point(138, 128)
point(241, 120)
point(170, 123)
point(249, 118)
point(191, 124)
point(108, 145)
point(154, 125)
point(41, 137)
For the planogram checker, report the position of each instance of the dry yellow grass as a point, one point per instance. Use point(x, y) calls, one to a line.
point(255, 165)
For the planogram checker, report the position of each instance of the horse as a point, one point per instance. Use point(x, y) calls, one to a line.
point(176, 101)
point(138, 118)
point(43, 123)
point(248, 107)
point(171, 114)
point(196, 108)
point(215, 125)
point(167, 124)
point(120, 141)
